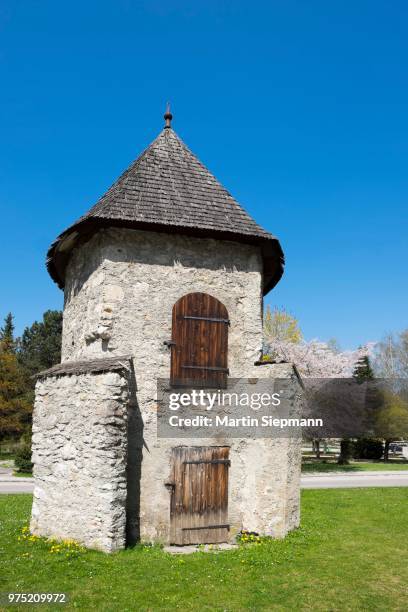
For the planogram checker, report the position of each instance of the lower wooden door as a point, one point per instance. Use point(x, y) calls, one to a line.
point(199, 499)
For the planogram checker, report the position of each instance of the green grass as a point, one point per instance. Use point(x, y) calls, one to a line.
point(355, 466)
point(349, 554)
point(7, 456)
point(22, 474)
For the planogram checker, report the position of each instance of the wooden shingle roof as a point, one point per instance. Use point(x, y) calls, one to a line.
point(167, 189)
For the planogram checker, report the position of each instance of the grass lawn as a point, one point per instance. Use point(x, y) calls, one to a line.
point(355, 466)
point(6, 456)
point(351, 553)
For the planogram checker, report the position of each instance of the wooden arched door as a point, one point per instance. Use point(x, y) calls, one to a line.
point(199, 351)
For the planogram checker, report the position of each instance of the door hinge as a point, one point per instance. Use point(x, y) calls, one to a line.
point(210, 319)
point(211, 368)
point(207, 527)
point(224, 461)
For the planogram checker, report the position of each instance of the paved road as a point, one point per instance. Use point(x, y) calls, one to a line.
point(13, 484)
point(10, 484)
point(16, 485)
point(361, 479)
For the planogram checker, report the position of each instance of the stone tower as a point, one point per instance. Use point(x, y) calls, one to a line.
point(165, 229)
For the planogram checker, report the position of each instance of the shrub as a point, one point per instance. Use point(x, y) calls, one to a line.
point(368, 448)
point(346, 451)
point(23, 456)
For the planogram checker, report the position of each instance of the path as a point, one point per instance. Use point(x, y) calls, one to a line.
point(13, 484)
point(346, 480)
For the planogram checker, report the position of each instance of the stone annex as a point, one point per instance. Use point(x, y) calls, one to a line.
point(164, 277)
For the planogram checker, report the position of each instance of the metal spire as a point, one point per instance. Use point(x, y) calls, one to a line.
point(168, 116)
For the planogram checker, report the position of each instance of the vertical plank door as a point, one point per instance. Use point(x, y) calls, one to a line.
point(199, 353)
point(199, 500)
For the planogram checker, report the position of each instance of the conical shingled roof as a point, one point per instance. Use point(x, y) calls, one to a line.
point(168, 189)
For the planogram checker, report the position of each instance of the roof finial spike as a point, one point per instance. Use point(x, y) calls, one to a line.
point(168, 116)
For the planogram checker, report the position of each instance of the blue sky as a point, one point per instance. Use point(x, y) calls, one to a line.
point(299, 108)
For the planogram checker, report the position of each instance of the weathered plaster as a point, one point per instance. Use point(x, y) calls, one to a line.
point(122, 284)
point(120, 290)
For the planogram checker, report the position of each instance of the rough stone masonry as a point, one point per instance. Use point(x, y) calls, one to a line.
point(89, 486)
point(80, 455)
point(166, 229)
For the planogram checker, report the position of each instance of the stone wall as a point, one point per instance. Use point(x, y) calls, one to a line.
point(264, 477)
point(269, 486)
point(100, 470)
point(80, 456)
point(122, 284)
point(120, 290)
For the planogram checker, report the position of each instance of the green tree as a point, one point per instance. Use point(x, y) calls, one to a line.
point(24, 454)
point(39, 347)
point(7, 334)
point(15, 409)
point(392, 420)
point(346, 451)
point(282, 326)
point(363, 370)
